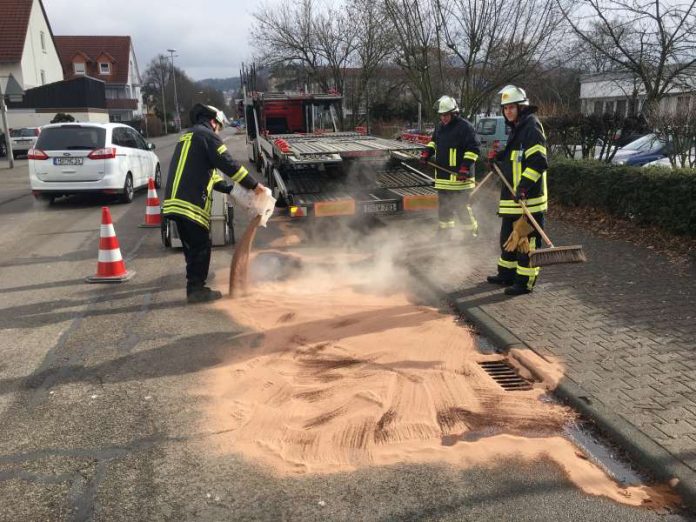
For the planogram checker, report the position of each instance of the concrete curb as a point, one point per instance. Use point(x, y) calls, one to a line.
point(662, 464)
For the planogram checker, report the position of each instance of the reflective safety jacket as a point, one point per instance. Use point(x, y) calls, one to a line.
point(523, 162)
point(193, 175)
point(454, 145)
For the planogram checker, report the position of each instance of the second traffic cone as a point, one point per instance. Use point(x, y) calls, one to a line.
point(110, 265)
point(152, 207)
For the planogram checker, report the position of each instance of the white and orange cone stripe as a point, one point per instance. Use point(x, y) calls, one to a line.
point(152, 207)
point(111, 268)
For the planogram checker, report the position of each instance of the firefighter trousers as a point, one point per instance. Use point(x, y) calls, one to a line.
point(514, 266)
point(453, 211)
point(196, 243)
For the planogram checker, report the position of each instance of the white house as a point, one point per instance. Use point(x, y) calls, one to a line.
point(27, 48)
point(622, 93)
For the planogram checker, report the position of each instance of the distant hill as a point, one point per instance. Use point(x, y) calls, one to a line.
point(221, 84)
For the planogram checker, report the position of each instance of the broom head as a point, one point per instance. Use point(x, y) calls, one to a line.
point(557, 255)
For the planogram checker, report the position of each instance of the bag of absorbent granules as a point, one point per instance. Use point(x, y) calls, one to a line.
point(252, 204)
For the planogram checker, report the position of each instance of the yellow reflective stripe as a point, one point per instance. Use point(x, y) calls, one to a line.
point(186, 137)
point(180, 203)
point(518, 210)
point(240, 174)
point(458, 185)
point(536, 148)
point(216, 177)
point(532, 174)
point(447, 224)
point(516, 169)
point(176, 207)
point(529, 272)
point(453, 158)
point(221, 149)
point(471, 155)
point(507, 264)
point(431, 144)
point(528, 202)
point(182, 162)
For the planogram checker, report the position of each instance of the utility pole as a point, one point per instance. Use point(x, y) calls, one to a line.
point(176, 99)
point(8, 142)
point(164, 106)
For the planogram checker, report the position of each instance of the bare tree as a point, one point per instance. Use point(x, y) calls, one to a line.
point(374, 45)
point(417, 52)
point(649, 40)
point(495, 42)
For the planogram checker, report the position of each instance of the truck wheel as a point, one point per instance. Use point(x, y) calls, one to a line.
point(166, 233)
point(229, 229)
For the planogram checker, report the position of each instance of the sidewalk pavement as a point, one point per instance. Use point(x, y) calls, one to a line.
point(623, 325)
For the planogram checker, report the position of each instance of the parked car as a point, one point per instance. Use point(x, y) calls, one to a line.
point(490, 129)
point(641, 151)
point(3, 145)
point(109, 158)
point(23, 139)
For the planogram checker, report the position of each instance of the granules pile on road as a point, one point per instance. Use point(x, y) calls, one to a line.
point(340, 370)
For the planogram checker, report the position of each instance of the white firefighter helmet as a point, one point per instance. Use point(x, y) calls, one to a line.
point(511, 94)
point(446, 104)
point(207, 112)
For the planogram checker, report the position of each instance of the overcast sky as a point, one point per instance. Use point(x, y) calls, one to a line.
point(211, 36)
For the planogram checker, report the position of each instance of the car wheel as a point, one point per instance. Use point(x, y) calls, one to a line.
point(166, 233)
point(128, 190)
point(158, 177)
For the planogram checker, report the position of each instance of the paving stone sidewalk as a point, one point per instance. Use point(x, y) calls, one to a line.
point(623, 325)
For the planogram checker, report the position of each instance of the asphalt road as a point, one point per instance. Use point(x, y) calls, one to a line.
point(99, 418)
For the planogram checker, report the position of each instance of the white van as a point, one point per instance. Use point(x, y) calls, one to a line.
point(490, 129)
point(105, 158)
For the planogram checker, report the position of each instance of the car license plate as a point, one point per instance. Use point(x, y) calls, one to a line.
point(67, 161)
point(380, 207)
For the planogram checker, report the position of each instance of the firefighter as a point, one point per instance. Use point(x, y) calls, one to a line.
point(188, 194)
point(523, 163)
point(455, 147)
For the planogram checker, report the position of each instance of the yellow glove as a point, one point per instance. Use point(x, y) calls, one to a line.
point(523, 245)
point(520, 230)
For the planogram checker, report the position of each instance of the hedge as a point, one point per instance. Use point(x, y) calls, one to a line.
point(650, 196)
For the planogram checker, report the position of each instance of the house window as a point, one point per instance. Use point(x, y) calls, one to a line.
point(621, 108)
point(609, 107)
point(79, 67)
point(43, 77)
point(42, 36)
point(598, 107)
point(104, 68)
point(683, 104)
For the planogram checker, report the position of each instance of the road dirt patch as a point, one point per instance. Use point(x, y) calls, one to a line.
point(351, 373)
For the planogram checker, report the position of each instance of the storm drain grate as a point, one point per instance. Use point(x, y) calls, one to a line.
point(505, 375)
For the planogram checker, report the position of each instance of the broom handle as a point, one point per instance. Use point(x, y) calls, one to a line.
point(471, 194)
point(525, 209)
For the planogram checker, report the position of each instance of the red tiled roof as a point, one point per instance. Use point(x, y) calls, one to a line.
point(93, 47)
point(14, 21)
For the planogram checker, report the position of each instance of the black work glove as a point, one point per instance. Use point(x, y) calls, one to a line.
point(520, 193)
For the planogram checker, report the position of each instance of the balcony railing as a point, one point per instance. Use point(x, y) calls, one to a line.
point(122, 103)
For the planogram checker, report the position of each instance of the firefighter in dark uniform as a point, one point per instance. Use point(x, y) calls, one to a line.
point(523, 162)
point(455, 147)
point(188, 195)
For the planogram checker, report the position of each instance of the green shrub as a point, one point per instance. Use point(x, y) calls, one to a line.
point(649, 196)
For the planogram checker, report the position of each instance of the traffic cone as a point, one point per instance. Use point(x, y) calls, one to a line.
point(110, 265)
point(152, 209)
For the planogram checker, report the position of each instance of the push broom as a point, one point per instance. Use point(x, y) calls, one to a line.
point(552, 255)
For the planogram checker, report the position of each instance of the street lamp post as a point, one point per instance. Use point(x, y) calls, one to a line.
point(164, 106)
point(176, 99)
point(8, 142)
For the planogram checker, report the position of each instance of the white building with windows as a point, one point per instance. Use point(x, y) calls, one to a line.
point(27, 47)
point(624, 94)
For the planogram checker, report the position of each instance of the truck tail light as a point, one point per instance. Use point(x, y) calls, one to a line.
point(37, 154)
point(101, 154)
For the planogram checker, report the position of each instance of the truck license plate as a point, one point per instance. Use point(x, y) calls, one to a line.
point(381, 207)
point(67, 161)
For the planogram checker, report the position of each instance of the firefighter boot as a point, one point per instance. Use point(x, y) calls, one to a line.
point(202, 295)
point(499, 280)
point(517, 290)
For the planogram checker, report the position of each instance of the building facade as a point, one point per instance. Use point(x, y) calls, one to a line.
point(110, 59)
